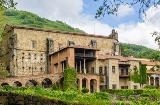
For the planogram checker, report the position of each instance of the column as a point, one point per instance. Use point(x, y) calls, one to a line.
point(80, 67)
point(80, 84)
point(154, 81)
point(149, 82)
point(88, 84)
point(85, 66)
point(76, 66)
point(159, 80)
point(98, 86)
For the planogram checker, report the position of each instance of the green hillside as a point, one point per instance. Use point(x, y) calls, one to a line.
point(23, 18)
point(139, 51)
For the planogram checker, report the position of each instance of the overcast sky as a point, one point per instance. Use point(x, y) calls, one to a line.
point(80, 14)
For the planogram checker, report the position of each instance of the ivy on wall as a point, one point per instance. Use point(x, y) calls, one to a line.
point(140, 75)
point(70, 79)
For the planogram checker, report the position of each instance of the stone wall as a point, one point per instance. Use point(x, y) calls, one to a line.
point(17, 99)
point(30, 53)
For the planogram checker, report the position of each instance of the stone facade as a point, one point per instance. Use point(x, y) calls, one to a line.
point(31, 51)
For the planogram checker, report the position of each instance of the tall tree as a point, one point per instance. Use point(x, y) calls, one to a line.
point(139, 75)
point(4, 4)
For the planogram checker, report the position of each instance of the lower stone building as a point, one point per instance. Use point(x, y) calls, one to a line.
point(39, 56)
point(95, 71)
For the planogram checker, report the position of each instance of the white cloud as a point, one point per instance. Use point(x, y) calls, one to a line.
point(124, 10)
point(70, 11)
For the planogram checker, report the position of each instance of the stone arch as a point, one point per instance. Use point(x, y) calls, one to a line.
point(17, 84)
point(93, 85)
point(61, 82)
point(84, 83)
point(31, 83)
point(3, 84)
point(47, 83)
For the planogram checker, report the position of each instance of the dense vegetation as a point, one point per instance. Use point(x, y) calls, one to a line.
point(123, 96)
point(139, 51)
point(24, 18)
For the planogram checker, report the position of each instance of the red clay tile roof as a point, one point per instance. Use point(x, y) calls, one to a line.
point(121, 58)
point(59, 31)
point(147, 61)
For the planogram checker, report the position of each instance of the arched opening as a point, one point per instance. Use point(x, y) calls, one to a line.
point(156, 81)
point(93, 85)
point(151, 81)
point(84, 83)
point(47, 83)
point(61, 83)
point(17, 84)
point(31, 83)
point(3, 84)
point(78, 83)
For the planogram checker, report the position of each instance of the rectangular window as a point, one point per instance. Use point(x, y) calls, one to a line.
point(113, 69)
point(100, 71)
point(56, 66)
point(33, 44)
point(124, 87)
point(135, 87)
point(92, 69)
point(114, 86)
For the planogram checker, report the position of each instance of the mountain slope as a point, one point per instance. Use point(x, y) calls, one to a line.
point(24, 18)
point(139, 51)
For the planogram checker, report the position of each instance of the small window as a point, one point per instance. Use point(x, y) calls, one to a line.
point(124, 87)
point(135, 86)
point(92, 69)
point(33, 44)
point(56, 66)
point(113, 69)
point(100, 71)
point(41, 69)
point(114, 86)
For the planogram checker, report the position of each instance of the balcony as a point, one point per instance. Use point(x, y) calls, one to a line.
point(84, 55)
point(124, 74)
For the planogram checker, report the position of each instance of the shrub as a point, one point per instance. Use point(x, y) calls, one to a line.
point(125, 93)
point(150, 87)
point(55, 87)
point(85, 90)
point(138, 91)
point(101, 95)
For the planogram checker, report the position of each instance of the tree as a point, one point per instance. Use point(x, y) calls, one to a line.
point(70, 79)
point(157, 39)
point(139, 76)
point(112, 6)
point(5, 4)
point(3, 72)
